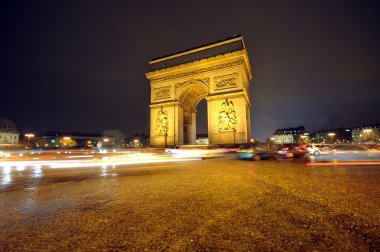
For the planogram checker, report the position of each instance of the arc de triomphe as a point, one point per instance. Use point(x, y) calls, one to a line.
point(218, 72)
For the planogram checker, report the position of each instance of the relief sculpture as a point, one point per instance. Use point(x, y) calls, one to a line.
point(225, 82)
point(227, 119)
point(162, 122)
point(162, 93)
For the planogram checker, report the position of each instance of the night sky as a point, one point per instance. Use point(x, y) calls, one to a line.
point(80, 65)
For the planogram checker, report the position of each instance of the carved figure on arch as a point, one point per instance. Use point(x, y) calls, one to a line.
point(162, 122)
point(227, 119)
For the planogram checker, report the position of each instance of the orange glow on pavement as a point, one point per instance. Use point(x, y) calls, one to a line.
point(342, 163)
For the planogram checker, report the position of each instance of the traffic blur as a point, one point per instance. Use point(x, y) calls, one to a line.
point(203, 151)
point(312, 152)
point(347, 153)
point(251, 151)
point(67, 158)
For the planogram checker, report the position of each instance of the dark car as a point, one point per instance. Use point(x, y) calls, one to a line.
point(292, 150)
point(256, 152)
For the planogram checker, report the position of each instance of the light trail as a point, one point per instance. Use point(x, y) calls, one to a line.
point(111, 163)
point(105, 161)
point(341, 163)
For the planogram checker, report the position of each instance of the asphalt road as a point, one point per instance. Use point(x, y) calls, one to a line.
point(202, 205)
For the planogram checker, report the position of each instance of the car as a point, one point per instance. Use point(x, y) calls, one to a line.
point(4, 154)
point(257, 152)
point(349, 152)
point(173, 150)
point(195, 151)
point(292, 150)
point(319, 149)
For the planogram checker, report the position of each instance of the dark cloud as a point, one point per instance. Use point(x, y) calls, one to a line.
point(79, 66)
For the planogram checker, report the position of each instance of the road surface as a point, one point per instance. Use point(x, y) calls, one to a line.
point(212, 204)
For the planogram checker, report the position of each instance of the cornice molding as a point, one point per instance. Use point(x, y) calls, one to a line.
point(204, 65)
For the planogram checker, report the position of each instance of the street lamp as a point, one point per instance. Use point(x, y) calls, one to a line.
point(136, 142)
point(331, 134)
point(66, 141)
point(29, 135)
point(367, 135)
point(303, 139)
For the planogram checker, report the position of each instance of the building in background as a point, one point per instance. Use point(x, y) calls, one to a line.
point(53, 140)
point(118, 137)
point(333, 136)
point(291, 136)
point(366, 134)
point(137, 141)
point(8, 135)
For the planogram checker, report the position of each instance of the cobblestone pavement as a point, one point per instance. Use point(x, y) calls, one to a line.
point(192, 206)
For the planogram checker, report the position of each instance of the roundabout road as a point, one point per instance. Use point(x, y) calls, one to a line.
point(213, 204)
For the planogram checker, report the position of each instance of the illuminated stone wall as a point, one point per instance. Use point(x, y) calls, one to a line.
point(228, 126)
point(222, 80)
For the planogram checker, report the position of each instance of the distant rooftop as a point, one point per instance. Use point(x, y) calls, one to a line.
point(377, 125)
point(8, 130)
point(299, 129)
point(231, 44)
point(72, 134)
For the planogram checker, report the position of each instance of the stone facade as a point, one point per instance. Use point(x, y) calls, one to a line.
point(219, 73)
point(369, 134)
point(291, 135)
point(9, 136)
point(333, 136)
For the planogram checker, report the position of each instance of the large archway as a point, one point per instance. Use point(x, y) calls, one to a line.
point(219, 73)
point(188, 95)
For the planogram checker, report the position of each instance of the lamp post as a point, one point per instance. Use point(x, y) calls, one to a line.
point(331, 134)
point(136, 142)
point(303, 139)
point(367, 135)
point(66, 141)
point(29, 135)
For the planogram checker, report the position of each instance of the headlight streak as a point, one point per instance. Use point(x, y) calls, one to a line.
point(7, 177)
point(37, 172)
point(105, 161)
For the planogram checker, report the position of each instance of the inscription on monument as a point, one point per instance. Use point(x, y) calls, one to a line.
point(227, 81)
point(227, 119)
point(162, 93)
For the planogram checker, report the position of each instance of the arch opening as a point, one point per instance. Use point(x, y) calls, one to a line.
point(189, 95)
point(202, 123)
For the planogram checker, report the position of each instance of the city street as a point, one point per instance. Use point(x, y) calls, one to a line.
point(201, 205)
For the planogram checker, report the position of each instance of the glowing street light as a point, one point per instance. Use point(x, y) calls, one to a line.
point(331, 134)
point(29, 135)
point(136, 142)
